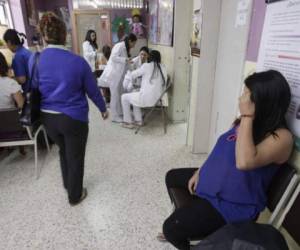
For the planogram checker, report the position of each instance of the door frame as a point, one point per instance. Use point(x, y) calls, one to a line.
point(74, 15)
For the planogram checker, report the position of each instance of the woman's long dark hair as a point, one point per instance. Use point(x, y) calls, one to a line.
point(271, 95)
point(3, 66)
point(106, 50)
point(88, 38)
point(155, 57)
point(131, 37)
point(14, 37)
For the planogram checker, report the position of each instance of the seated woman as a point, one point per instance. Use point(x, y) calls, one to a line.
point(10, 91)
point(154, 79)
point(101, 64)
point(142, 58)
point(231, 185)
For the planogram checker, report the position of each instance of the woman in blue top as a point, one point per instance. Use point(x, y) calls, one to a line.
point(15, 41)
point(65, 80)
point(231, 185)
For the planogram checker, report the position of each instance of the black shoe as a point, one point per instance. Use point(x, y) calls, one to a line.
point(82, 197)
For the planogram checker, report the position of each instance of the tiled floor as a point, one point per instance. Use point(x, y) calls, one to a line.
point(127, 200)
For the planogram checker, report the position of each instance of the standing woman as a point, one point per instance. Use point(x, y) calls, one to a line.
point(15, 41)
point(90, 49)
point(65, 81)
point(114, 72)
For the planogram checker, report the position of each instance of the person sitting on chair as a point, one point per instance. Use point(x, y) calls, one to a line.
point(154, 78)
point(231, 185)
point(10, 91)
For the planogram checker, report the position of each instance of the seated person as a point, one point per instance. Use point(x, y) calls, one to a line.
point(231, 185)
point(154, 78)
point(104, 57)
point(10, 91)
point(137, 62)
point(101, 64)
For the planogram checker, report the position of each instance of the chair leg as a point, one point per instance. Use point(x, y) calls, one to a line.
point(46, 140)
point(36, 160)
point(163, 112)
point(145, 118)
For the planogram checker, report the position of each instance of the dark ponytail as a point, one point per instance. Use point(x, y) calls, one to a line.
point(131, 37)
point(14, 37)
point(156, 59)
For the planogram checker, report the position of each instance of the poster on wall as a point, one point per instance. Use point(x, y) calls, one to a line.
point(153, 18)
point(280, 50)
point(165, 22)
point(161, 19)
point(31, 13)
point(196, 33)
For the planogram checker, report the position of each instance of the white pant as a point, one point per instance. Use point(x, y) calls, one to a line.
point(116, 90)
point(126, 103)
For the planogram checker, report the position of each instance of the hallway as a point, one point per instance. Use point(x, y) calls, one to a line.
point(127, 200)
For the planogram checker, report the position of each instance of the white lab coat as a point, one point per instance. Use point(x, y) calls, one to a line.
point(89, 54)
point(136, 62)
point(113, 76)
point(151, 85)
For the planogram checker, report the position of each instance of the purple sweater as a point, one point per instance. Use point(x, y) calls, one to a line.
point(65, 81)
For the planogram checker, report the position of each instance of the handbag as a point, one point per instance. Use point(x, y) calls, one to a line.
point(30, 114)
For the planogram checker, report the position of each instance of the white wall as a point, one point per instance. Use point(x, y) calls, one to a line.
point(229, 71)
point(176, 59)
point(202, 77)
point(217, 75)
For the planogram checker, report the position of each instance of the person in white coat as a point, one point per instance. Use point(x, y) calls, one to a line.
point(114, 72)
point(90, 49)
point(137, 62)
point(154, 78)
point(141, 58)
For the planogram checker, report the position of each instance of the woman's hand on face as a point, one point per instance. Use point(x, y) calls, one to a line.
point(193, 182)
point(247, 107)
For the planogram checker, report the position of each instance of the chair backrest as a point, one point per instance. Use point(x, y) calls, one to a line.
point(10, 121)
point(291, 222)
point(161, 100)
point(279, 185)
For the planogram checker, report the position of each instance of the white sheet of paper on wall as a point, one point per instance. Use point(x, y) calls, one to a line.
point(242, 12)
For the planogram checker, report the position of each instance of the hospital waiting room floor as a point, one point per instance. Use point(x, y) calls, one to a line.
point(127, 200)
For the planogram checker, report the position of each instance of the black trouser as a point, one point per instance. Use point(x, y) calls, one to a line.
point(196, 220)
point(71, 136)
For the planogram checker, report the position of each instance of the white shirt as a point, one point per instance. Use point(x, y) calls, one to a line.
point(152, 85)
point(89, 54)
point(8, 87)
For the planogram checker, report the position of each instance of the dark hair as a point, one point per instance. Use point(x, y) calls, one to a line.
point(131, 37)
point(14, 37)
point(271, 95)
point(145, 49)
point(53, 29)
point(155, 57)
point(3, 66)
point(106, 50)
point(88, 38)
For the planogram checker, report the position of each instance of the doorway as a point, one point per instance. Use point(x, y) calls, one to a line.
point(92, 19)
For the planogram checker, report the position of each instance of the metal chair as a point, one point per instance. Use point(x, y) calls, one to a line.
point(159, 105)
point(12, 133)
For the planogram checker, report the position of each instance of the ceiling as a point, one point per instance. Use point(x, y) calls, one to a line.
point(111, 4)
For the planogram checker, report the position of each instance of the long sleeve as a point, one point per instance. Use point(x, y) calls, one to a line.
point(88, 52)
point(91, 88)
point(139, 72)
point(116, 54)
